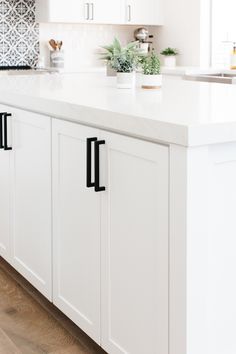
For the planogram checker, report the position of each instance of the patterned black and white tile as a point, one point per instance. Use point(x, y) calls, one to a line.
point(19, 33)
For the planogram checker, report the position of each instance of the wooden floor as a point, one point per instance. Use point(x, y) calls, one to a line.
point(29, 324)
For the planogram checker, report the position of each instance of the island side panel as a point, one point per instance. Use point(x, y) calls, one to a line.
point(196, 251)
point(177, 249)
point(188, 232)
point(221, 246)
point(202, 249)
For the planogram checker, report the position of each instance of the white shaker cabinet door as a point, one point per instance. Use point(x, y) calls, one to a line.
point(134, 246)
point(31, 187)
point(5, 193)
point(76, 230)
point(107, 11)
point(4, 203)
point(149, 12)
point(71, 11)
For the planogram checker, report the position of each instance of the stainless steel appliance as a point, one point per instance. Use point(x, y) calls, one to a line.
point(142, 36)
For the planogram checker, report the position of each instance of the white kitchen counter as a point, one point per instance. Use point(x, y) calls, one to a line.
point(184, 113)
point(194, 70)
point(167, 211)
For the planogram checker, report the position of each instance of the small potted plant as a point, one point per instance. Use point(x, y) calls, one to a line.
point(151, 66)
point(121, 62)
point(170, 57)
point(107, 57)
point(124, 61)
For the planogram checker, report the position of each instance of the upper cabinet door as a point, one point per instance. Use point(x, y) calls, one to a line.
point(134, 246)
point(79, 11)
point(140, 12)
point(76, 228)
point(69, 11)
point(136, 12)
point(31, 186)
point(107, 11)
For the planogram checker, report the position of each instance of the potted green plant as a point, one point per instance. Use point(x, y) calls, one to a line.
point(170, 57)
point(124, 61)
point(107, 57)
point(151, 66)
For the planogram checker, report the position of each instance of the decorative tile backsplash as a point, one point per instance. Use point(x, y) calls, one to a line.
point(19, 34)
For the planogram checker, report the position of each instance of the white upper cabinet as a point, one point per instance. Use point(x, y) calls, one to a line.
point(79, 11)
point(140, 12)
point(107, 11)
point(71, 11)
point(147, 12)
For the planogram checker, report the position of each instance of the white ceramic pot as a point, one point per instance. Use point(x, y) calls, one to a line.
point(170, 61)
point(125, 80)
point(151, 81)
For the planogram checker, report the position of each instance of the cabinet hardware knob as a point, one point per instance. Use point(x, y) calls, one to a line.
point(89, 162)
point(97, 144)
point(92, 11)
point(6, 115)
point(129, 13)
point(87, 11)
point(1, 129)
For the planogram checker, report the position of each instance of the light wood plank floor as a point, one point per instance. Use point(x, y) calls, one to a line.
point(29, 324)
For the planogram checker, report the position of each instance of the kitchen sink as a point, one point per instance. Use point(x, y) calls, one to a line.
point(223, 78)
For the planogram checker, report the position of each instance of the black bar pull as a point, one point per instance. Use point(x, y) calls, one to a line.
point(1, 129)
point(98, 188)
point(89, 162)
point(6, 147)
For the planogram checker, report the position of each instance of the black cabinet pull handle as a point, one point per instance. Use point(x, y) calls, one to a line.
point(97, 144)
point(1, 129)
point(6, 147)
point(89, 162)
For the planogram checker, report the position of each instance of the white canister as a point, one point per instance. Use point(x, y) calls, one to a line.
point(151, 81)
point(125, 80)
point(57, 59)
point(170, 61)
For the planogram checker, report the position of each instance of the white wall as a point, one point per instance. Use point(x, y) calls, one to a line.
point(187, 27)
point(223, 30)
point(82, 42)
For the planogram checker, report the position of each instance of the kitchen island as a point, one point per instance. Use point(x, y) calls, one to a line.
point(126, 202)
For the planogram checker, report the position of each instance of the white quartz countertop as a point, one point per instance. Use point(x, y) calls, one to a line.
point(195, 70)
point(182, 112)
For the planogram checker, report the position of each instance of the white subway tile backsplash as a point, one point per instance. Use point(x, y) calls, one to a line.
point(82, 42)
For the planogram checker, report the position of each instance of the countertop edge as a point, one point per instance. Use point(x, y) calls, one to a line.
point(141, 128)
point(134, 126)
